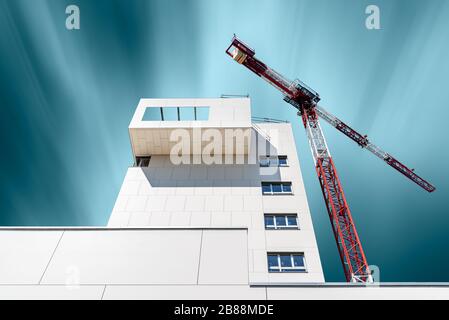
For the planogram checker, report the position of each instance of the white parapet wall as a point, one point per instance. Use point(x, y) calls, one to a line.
point(158, 132)
point(157, 263)
point(100, 262)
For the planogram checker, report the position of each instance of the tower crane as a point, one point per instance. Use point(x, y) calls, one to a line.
point(305, 100)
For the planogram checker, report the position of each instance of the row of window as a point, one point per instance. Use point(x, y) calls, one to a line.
point(281, 221)
point(286, 262)
point(273, 161)
point(275, 188)
point(264, 161)
point(281, 262)
point(176, 114)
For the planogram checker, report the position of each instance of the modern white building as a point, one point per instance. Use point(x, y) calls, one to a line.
point(214, 207)
point(264, 195)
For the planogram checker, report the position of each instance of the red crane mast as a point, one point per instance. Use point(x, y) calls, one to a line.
point(303, 98)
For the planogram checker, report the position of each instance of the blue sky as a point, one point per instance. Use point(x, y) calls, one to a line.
point(67, 98)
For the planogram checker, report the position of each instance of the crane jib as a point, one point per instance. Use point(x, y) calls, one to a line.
point(409, 173)
point(362, 140)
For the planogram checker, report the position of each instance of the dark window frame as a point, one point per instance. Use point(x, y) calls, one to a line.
point(142, 161)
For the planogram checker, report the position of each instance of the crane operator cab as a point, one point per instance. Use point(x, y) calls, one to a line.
point(239, 51)
point(239, 56)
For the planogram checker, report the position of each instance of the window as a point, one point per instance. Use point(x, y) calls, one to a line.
point(187, 114)
point(286, 262)
point(152, 114)
point(264, 161)
point(273, 161)
point(281, 221)
point(170, 114)
point(142, 161)
point(201, 113)
point(176, 114)
point(282, 161)
point(274, 188)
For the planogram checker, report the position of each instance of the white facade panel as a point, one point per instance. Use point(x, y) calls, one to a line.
point(224, 257)
point(25, 255)
point(75, 258)
point(122, 257)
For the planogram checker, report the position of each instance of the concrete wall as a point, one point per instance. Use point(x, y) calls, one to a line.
point(165, 194)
